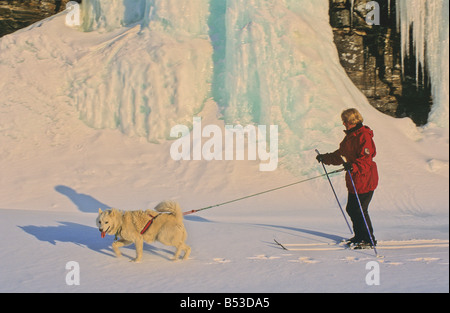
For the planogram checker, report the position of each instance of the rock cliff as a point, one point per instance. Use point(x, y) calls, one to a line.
point(16, 14)
point(371, 56)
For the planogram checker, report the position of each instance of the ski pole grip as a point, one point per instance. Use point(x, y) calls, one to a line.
point(344, 159)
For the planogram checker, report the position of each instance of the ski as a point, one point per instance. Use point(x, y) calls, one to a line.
point(309, 246)
point(383, 245)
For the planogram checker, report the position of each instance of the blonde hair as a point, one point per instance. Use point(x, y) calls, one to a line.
point(351, 116)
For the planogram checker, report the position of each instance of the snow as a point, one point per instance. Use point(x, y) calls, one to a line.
point(85, 123)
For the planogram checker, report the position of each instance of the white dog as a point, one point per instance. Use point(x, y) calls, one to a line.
point(164, 224)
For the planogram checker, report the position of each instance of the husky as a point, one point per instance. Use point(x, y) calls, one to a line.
point(164, 224)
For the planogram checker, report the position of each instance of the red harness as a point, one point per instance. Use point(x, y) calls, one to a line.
point(149, 223)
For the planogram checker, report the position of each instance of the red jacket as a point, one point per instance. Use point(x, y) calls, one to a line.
point(359, 149)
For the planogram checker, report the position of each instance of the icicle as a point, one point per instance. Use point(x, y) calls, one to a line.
point(352, 8)
point(389, 9)
point(430, 37)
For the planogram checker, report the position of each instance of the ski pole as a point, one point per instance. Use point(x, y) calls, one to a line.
point(332, 188)
point(360, 207)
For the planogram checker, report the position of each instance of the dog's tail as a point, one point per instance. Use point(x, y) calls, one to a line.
point(171, 207)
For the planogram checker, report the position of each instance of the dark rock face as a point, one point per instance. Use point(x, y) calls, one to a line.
point(17, 14)
point(370, 54)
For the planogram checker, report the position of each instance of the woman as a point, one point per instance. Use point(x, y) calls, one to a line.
point(358, 148)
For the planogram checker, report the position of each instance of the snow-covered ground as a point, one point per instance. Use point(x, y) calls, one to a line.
point(57, 83)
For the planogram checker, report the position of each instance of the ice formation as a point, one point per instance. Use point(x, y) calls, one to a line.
point(262, 62)
point(167, 16)
point(275, 72)
point(430, 35)
point(153, 69)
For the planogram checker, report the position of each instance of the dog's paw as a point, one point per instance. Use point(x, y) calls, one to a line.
point(136, 260)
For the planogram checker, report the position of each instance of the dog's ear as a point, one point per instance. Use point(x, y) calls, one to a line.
point(100, 211)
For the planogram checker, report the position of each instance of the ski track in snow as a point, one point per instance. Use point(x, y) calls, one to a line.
point(311, 256)
point(306, 258)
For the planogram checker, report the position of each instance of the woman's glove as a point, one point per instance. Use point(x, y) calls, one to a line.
point(348, 166)
point(319, 158)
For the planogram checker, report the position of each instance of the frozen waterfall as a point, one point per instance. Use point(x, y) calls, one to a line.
point(152, 70)
point(262, 62)
point(182, 16)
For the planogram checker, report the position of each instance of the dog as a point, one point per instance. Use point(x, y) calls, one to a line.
point(164, 224)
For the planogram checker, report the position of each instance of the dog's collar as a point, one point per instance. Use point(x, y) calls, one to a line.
point(149, 223)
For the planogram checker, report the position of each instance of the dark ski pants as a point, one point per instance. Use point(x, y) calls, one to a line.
point(354, 211)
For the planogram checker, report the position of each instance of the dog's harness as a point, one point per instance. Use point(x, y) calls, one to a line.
point(116, 237)
point(149, 223)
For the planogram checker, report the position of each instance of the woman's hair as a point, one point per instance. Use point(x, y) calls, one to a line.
point(352, 117)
